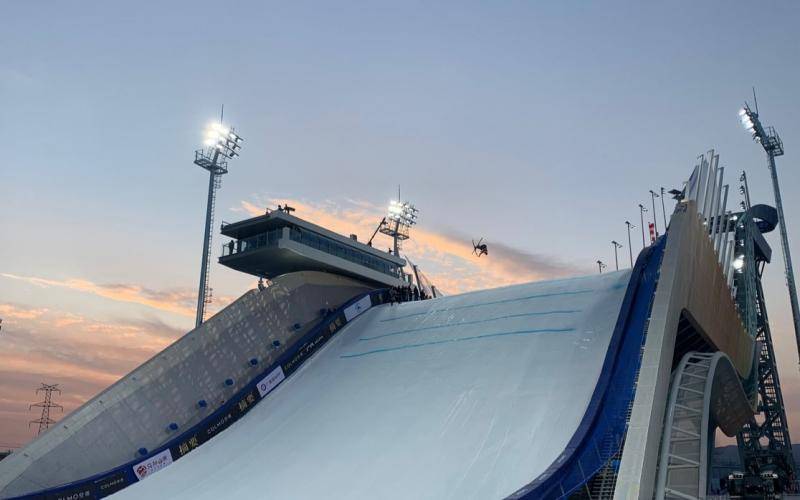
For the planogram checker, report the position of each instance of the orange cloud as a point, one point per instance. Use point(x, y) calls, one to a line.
point(82, 354)
point(9, 311)
point(177, 300)
point(445, 257)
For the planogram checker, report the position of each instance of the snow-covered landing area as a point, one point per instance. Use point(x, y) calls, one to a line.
point(467, 396)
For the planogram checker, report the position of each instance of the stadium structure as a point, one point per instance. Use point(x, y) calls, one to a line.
point(323, 384)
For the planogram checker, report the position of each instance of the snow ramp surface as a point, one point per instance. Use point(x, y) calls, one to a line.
point(466, 396)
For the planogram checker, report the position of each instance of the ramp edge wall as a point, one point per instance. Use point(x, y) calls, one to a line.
point(112, 481)
point(208, 364)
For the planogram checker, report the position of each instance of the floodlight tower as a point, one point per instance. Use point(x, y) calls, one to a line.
point(221, 145)
point(773, 146)
point(401, 216)
point(616, 247)
point(600, 266)
point(663, 210)
point(630, 247)
point(653, 196)
point(642, 210)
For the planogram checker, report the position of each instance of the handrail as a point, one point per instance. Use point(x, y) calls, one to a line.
point(111, 481)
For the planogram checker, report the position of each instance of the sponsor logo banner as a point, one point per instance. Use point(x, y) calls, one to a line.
point(247, 402)
point(111, 484)
point(305, 351)
point(219, 425)
point(152, 464)
point(187, 445)
point(76, 493)
point(271, 381)
point(355, 309)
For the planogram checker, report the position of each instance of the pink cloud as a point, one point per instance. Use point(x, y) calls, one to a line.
point(444, 256)
point(12, 312)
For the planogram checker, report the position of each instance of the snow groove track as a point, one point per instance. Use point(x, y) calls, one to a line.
point(468, 396)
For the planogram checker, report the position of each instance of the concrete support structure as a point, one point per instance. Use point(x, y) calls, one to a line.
point(706, 393)
point(182, 384)
point(691, 285)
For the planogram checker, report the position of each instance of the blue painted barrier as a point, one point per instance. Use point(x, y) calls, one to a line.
point(602, 429)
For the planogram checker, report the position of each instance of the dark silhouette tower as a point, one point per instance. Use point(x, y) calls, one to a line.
point(44, 421)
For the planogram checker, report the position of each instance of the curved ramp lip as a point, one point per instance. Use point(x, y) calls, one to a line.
point(647, 263)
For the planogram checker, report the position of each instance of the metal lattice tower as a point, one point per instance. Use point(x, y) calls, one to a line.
point(764, 443)
point(45, 421)
point(222, 144)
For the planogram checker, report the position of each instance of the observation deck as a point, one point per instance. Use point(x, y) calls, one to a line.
point(279, 243)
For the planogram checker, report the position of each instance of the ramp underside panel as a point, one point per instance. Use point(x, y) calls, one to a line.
point(469, 396)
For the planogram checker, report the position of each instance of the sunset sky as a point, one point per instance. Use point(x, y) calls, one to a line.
point(539, 126)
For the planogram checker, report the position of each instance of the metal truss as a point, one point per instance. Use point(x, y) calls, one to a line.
point(764, 443)
point(684, 450)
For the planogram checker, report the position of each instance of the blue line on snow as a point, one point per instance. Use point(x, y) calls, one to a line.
point(460, 339)
point(516, 299)
point(464, 323)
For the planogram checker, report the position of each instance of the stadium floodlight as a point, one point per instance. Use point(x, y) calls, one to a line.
point(747, 119)
point(744, 190)
point(223, 139)
point(221, 144)
point(400, 217)
point(773, 146)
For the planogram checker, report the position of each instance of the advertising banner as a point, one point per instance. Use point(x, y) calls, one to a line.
point(271, 381)
point(357, 308)
point(152, 464)
point(83, 492)
point(111, 484)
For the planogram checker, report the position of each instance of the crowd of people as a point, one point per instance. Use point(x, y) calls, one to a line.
point(406, 294)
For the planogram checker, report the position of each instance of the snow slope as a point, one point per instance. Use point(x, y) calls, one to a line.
point(467, 396)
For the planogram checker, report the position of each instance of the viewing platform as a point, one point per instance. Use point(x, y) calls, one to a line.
point(279, 243)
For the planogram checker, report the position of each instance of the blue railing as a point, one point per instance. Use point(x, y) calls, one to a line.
point(109, 482)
